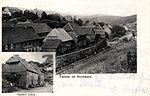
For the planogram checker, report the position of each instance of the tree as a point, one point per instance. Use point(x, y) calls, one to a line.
point(55, 17)
point(79, 22)
point(17, 14)
point(6, 17)
point(13, 78)
point(94, 23)
point(30, 15)
point(87, 21)
point(102, 24)
point(22, 19)
point(118, 31)
point(43, 15)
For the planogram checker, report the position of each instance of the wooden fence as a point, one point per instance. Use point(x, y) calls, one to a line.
point(65, 59)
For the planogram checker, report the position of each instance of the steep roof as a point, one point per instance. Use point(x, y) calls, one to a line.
point(51, 44)
point(41, 27)
point(18, 34)
point(73, 34)
point(59, 33)
point(36, 67)
point(15, 62)
point(12, 9)
point(38, 27)
point(73, 27)
point(98, 29)
point(88, 30)
point(107, 29)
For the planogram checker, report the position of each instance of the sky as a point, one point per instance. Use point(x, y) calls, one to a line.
point(30, 56)
point(79, 7)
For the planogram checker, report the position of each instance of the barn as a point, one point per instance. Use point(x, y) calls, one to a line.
point(41, 76)
point(52, 45)
point(90, 34)
point(66, 41)
point(19, 72)
point(76, 32)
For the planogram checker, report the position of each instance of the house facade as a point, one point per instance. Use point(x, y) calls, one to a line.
point(76, 32)
point(20, 38)
point(19, 72)
point(66, 41)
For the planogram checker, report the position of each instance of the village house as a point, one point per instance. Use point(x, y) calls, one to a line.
point(76, 32)
point(20, 38)
point(63, 36)
point(24, 37)
point(99, 32)
point(10, 11)
point(19, 72)
point(90, 34)
point(52, 45)
point(41, 76)
point(107, 28)
point(42, 29)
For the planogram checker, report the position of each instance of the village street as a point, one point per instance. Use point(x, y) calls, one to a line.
point(45, 89)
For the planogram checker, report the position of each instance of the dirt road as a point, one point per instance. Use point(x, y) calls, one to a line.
point(45, 89)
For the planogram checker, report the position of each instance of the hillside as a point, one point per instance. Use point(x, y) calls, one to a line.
point(111, 19)
point(98, 18)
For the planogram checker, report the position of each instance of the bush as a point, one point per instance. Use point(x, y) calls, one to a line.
point(118, 31)
point(125, 39)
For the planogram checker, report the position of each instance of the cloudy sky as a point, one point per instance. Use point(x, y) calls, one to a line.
point(31, 56)
point(79, 7)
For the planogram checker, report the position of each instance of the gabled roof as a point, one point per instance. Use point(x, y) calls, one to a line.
point(12, 9)
point(19, 60)
point(98, 26)
point(38, 27)
point(73, 34)
point(36, 67)
point(107, 29)
point(88, 30)
point(59, 33)
point(73, 27)
point(51, 44)
point(18, 34)
point(98, 29)
point(13, 59)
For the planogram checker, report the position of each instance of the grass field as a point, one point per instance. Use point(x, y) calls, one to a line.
point(111, 61)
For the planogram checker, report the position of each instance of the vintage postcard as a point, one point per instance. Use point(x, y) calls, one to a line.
point(77, 47)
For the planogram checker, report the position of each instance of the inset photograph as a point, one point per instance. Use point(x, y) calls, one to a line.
point(27, 72)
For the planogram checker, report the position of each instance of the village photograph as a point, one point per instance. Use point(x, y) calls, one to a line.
point(102, 39)
point(27, 72)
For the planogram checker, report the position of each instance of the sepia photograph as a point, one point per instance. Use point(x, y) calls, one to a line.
point(90, 42)
point(27, 72)
point(74, 47)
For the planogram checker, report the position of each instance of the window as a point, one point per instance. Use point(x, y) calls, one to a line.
point(29, 42)
point(11, 46)
point(6, 47)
